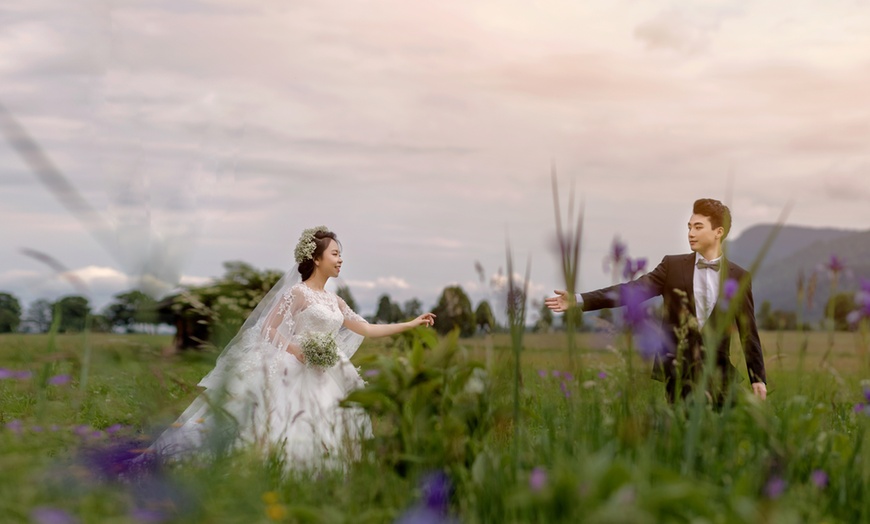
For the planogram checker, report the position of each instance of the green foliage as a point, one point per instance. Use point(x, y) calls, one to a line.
point(38, 317)
point(545, 319)
point(454, 312)
point(484, 318)
point(412, 308)
point(10, 313)
point(838, 308)
point(73, 312)
point(212, 314)
point(589, 453)
point(431, 406)
point(132, 307)
point(775, 320)
point(388, 312)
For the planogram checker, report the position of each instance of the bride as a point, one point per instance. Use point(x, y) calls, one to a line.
point(262, 393)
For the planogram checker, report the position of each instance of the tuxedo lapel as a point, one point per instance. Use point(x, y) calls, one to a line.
point(687, 272)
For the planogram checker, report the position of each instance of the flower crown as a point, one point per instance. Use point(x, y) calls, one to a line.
point(307, 245)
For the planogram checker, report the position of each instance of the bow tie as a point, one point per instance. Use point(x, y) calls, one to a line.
point(712, 265)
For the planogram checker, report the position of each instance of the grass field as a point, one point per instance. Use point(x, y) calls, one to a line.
point(591, 442)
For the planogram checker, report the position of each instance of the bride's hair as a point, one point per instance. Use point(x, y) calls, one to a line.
point(321, 242)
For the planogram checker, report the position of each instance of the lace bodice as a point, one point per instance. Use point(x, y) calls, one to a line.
point(319, 311)
point(303, 310)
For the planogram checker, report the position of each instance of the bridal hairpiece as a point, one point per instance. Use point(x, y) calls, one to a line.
point(306, 246)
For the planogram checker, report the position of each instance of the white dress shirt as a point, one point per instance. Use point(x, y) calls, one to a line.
point(706, 284)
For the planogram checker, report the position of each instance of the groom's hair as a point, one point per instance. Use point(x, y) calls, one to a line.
point(717, 212)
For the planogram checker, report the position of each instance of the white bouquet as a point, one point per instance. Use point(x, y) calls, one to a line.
point(320, 350)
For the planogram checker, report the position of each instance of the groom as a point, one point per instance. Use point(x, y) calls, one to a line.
point(694, 288)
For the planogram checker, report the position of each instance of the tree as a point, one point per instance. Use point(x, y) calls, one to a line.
point(343, 292)
point(413, 308)
point(765, 317)
point(454, 311)
point(545, 319)
point(388, 311)
point(10, 313)
point(214, 313)
point(484, 319)
point(73, 311)
point(38, 317)
point(100, 324)
point(838, 308)
point(132, 307)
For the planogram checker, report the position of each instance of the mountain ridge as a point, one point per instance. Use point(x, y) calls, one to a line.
point(801, 250)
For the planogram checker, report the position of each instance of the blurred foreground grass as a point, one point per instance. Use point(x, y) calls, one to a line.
point(596, 445)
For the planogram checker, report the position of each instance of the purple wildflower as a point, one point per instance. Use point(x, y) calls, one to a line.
point(819, 478)
point(22, 375)
point(46, 515)
point(565, 390)
point(372, 372)
point(775, 487)
point(729, 291)
point(6, 373)
point(113, 460)
point(651, 341)
point(867, 395)
point(616, 255)
point(82, 430)
point(148, 515)
point(633, 268)
point(538, 479)
point(862, 296)
point(835, 265)
point(59, 380)
point(542, 373)
point(632, 297)
point(423, 515)
point(567, 376)
point(14, 426)
point(436, 492)
point(36, 429)
point(862, 300)
point(602, 375)
point(556, 373)
point(114, 428)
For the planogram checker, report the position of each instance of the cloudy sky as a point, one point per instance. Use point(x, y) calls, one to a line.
point(194, 132)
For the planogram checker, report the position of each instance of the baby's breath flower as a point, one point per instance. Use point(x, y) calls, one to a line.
point(320, 350)
point(306, 245)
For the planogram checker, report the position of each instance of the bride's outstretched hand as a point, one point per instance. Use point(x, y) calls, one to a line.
point(426, 319)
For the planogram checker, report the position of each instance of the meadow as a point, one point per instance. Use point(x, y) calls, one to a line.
point(588, 440)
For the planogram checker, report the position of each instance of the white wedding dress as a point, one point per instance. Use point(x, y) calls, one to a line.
point(260, 395)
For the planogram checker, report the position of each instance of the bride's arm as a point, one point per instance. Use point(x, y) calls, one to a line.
point(358, 325)
point(279, 324)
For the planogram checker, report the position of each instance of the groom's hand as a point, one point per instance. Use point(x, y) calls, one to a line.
point(561, 302)
point(760, 390)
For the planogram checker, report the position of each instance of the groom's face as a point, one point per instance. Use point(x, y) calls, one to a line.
point(702, 236)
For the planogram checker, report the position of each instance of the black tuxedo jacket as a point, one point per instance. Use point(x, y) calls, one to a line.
point(676, 273)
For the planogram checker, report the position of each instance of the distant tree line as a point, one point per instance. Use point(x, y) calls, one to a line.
point(129, 311)
point(211, 314)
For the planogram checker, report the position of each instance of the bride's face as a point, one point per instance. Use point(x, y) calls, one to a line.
point(330, 261)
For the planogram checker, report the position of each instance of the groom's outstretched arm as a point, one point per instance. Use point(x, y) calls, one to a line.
point(647, 286)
